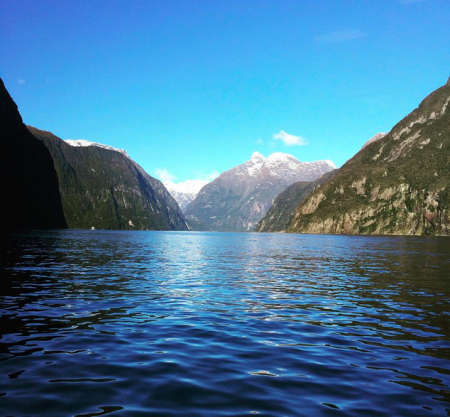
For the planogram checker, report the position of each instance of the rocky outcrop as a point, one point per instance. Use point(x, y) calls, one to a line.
point(29, 185)
point(102, 187)
point(396, 185)
point(240, 197)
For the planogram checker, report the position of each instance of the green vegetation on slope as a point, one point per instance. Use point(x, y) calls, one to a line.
point(104, 189)
point(396, 185)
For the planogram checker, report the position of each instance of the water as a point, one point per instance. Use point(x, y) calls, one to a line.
point(220, 324)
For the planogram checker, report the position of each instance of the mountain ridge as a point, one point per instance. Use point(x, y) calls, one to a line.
point(397, 185)
point(241, 196)
point(104, 188)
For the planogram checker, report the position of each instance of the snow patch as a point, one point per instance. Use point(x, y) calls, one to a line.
point(255, 164)
point(285, 167)
point(85, 143)
point(186, 191)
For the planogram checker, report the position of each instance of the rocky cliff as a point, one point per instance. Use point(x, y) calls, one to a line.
point(241, 196)
point(29, 185)
point(102, 187)
point(396, 185)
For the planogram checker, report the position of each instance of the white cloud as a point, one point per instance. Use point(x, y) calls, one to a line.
point(342, 35)
point(208, 176)
point(290, 140)
point(164, 175)
point(20, 81)
point(259, 142)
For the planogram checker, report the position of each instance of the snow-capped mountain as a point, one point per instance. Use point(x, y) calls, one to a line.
point(284, 167)
point(290, 169)
point(185, 192)
point(241, 196)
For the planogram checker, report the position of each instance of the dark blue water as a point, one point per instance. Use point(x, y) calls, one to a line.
point(218, 324)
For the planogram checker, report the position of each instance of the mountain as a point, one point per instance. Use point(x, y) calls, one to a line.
point(102, 187)
point(240, 197)
point(29, 185)
point(397, 185)
point(184, 192)
point(85, 143)
point(279, 216)
point(374, 138)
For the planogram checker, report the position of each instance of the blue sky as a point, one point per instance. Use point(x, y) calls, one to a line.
point(196, 86)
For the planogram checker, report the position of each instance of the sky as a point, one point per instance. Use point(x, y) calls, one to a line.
point(191, 88)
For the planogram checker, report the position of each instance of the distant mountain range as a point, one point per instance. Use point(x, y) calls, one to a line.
point(103, 187)
point(29, 184)
point(398, 184)
point(241, 196)
point(185, 192)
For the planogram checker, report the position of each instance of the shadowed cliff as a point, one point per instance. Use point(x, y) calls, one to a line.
point(29, 185)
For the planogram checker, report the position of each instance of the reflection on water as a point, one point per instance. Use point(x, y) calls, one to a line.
point(223, 324)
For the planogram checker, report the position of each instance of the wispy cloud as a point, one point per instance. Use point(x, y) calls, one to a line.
point(410, 1)
point(259, 142)
point(20, 81)
point(164, 175)
point(209, 176)
point(341, 36)
point(290, 140)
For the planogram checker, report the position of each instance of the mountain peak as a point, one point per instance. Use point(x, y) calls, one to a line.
point(254, 165)
point(241, 196)
point(256, 156)
point(448, 82)
point(329, 162)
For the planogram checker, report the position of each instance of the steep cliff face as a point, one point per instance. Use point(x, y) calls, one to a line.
point(241, 196)
point(279, 216)
point(29, 185)
point(103, 188)
point(396, 185)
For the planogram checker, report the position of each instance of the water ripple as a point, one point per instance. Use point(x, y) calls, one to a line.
point(223, 324)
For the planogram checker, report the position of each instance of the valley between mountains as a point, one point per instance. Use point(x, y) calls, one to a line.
point(397, 184)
